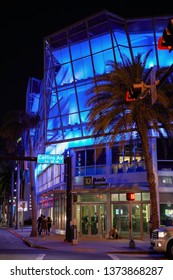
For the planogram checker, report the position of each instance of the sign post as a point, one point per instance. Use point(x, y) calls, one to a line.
point(131, 197)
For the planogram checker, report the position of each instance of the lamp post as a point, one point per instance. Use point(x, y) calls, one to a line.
point(17, 195)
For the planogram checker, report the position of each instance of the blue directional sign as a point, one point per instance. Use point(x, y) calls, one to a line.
point(50, 159)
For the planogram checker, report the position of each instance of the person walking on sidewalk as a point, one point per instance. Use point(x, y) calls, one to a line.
point(49, 224)
point(44, 226)
point(39, 224)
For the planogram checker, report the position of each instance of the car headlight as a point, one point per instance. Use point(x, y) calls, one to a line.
point(161, 234)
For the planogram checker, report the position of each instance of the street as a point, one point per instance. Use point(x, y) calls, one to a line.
point(13, 248)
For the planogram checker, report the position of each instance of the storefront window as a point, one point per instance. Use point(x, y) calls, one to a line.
point(122, 196)
point(100, 156)
point(146, 196)
point(166, 214)
point(129, 153)
point(90, 157)
point(138, 196)
point(91, 162)
point(165, 154)
point(114, 197)
point(80, 158)
point(93, 197)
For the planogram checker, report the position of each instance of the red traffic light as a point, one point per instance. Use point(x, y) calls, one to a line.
point(166, 40)
point(130, 196)
point(160, 46)
point(129, 98)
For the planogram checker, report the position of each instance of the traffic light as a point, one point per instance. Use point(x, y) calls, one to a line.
point(166, 40)
point(129, 96)
point(130, 196)
point(136, 90)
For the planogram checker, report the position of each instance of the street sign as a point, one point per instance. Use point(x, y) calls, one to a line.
point(87, 181)
point(23, 206)
point(50, 159)
point(100, 182)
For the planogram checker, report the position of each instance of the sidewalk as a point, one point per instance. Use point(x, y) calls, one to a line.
point(84, 244)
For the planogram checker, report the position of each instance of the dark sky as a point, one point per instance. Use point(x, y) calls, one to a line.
point(24, 25)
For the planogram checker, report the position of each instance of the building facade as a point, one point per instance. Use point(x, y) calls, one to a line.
point(73, 58)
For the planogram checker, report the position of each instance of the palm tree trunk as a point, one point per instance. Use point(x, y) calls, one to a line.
point(154, 200)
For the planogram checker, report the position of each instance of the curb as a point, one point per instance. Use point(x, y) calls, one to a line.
point(26, 241)
point(132, 252)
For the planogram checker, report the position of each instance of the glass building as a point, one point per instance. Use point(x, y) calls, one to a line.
point(73, 58)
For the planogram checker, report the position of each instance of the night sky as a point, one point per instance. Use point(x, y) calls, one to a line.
point(24, 25)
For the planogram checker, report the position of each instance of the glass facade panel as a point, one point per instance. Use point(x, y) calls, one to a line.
point(83, 69)
point(80, 158)
point(114, 197)
point(166, 214)
point(122, 196)
point(80, 50)
point(137, 196)
point(145, 196)
point(90, 157)
point(62, 55)
point(120, 38)
point(82, 98)
point(100, 156)
point(93, 197)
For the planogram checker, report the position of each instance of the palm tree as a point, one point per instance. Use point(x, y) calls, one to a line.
point(16, 124)
point(7, 170)
point(5, 184)
point(112, 117)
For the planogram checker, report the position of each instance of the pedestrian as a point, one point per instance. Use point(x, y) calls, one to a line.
point(113, 233)
point(39, 223)
point(49, 224)
point(44, 226)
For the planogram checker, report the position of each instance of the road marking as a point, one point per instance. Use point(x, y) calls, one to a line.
point(113, 256)
point(40, 256)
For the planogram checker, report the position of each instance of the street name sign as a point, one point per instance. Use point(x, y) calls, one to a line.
point(50, 159)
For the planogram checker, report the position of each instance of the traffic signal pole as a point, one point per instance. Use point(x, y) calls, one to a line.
point(7, 157)
point(67, 161)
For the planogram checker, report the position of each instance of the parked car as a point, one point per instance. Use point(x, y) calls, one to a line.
point(162, 240)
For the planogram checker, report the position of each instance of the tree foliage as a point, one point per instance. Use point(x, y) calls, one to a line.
point(16, 125)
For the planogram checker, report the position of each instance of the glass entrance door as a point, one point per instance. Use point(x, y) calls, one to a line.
point(121, 219)
point(93, 219)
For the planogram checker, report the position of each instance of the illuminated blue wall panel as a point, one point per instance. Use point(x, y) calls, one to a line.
point(78, 54)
